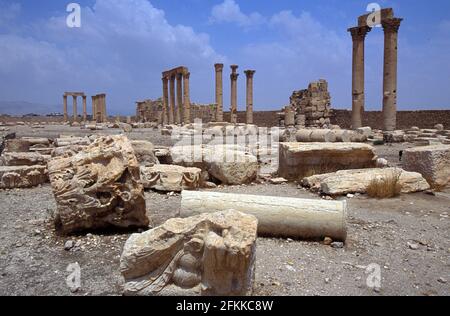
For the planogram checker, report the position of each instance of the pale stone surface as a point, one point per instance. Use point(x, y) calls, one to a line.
point(67, 151)
point(433, 162)
point(22, 176)
point(68, 141)
point(394, 136)
point(357, 181)
point(145, 153)
point(99, 187)
point(439, 127)
point(209, 254)
point(277, 216)
point(23, 159)
point(171, 178)
point(299, 160)
point(230, 164)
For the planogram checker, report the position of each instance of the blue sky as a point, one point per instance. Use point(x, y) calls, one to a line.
point(123, 46)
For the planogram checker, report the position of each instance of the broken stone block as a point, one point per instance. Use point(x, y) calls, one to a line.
point(68, 141)
point(4, 137)
point(99, 187)
point(229, 164)
point(145, 153)
point(433, 162)
point(171, 178)
point(300, 160)
point(210, 254)
point(22, 176)
point(394, 137)
point(357, 181)
point(67, 151)
point(23, 159)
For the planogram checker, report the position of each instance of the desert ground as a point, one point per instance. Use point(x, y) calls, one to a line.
point(407, 236)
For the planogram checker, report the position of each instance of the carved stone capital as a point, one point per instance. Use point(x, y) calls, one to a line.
point(234, 77)
point(391, 25)
point(219, 67)
point(249, 73)
point(359, 32)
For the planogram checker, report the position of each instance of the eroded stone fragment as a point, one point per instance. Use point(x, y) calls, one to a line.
point(209, 254)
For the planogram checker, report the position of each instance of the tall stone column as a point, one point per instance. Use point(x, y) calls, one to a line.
point(178, 113)
point(165, 117)
point(234, 77)
point(172, 100)
point(94, 109)
point(391, 27)
point(219, 92)
point(358, 97)
point(187, 98)
point(104, 115)
point(66, 117)
point(249, 114)
point(84, 109)
point(75, 114)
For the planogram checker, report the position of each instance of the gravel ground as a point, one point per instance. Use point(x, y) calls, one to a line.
point(408, 237)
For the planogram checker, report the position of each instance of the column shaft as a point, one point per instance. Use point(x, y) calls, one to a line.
point(219, 92)
point(75, 114)
point(66, 117)
point(390, 27)
point(187, 98)
point(165, 118)
point(358, 96)
point(179, 114)
point(249, 114)
point(172, 100)
point(84, 109)
point(233, 110)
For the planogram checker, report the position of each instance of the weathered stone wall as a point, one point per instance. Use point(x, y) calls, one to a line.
point(405, 119)
point(312, 106)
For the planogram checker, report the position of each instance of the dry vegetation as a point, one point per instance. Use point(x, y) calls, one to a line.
point(386, 187)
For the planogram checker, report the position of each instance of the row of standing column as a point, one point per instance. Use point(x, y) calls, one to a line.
point(176, 110)
point(219, 94)
point(390, 27)
point(75, 110)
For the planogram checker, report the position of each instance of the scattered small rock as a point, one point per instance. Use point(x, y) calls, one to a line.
point(442, 280)
point(413, 246)
point(69, 245)
point(327, 241)
point(337, 245)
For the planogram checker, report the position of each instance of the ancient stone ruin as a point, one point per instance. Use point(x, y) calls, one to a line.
point(176, 111)
point(390, 25)
point(209, 254)
point(311, 107)
point(99, 187)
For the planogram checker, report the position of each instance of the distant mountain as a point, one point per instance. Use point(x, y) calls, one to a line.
point(23, 107)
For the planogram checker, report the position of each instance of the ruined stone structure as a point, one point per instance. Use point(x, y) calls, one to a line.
point(311, 107)
point(99, 108)
point(149, 111)
point(176, 110)
point(391, 26)
point(233, 109)
point(74, 95)
point(250, 74)
point(219, 92)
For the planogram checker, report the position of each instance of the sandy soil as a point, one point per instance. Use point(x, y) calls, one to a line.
point(408, 237)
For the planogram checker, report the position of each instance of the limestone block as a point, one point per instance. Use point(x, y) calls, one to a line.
point(394, 137)
point(433, 162)
point(99, 187)
point(299, 160)
point(68, 141)
point(171, 178)
point(357, 181)
point(22, 176)
point(23, 159)
point(209, 254)
point(145, 153)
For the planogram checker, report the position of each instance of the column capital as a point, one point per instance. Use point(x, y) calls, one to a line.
point(234, 76)
point(186, 75)
point(250, 73)
point(234, 68)
point(391, 25)
point(359, 32)
point(219, 67)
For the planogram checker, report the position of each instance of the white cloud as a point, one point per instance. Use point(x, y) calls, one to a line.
point(8, 12)
point(230, 12)
point(121, 49)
